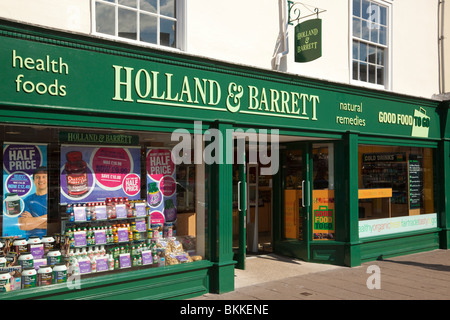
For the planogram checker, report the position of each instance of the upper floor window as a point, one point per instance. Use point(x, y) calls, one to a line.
point(149, 21)
point(370, 42)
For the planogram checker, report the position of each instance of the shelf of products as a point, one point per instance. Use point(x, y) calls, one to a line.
point(95, 238)
point(385, 170)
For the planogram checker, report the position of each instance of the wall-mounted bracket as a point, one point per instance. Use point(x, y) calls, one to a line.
point(297, 9)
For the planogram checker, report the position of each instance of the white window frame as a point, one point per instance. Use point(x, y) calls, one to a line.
point(180, 32)
point(388, 48)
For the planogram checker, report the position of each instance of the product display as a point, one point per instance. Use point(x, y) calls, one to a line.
point(93, 242)
point(119, 240)
point(105, 222)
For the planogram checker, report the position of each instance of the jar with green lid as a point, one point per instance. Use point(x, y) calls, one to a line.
point(59, 273)
point(29, 278)
point(53, 257)
point(26, 260)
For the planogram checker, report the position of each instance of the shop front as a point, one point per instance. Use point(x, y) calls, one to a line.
point(151, 175)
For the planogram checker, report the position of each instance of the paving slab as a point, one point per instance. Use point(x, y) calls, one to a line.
point(419, 276)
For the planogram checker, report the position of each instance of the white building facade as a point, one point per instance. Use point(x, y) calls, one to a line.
point(258, 34)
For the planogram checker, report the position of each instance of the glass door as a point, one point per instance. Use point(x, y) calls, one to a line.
point(296, 185)
point(307, 197)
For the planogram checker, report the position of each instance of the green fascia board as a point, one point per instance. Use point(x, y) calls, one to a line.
point(100, 77)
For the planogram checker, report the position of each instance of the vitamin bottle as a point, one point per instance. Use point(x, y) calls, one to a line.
point(76, 174)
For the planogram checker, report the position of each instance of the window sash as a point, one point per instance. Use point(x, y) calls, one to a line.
point(370, 70)
point(119, 7)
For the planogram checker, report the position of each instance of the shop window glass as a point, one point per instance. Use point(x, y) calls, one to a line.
point(107, 201)
point(395, 182)
point(146, 21)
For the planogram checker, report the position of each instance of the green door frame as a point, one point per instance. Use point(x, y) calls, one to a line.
point(240, 255)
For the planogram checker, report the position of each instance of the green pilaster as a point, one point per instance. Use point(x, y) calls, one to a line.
point(222, 273)
point(444, 185)
point(352, 253)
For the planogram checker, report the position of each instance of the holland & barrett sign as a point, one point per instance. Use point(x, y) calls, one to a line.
point(308, 40)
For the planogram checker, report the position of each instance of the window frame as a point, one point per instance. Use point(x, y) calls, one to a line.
point(180, 18)
point(388, 4)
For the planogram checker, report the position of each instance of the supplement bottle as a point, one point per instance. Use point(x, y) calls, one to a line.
point(20, 245)
point(48, 242)
point(45, 276)
point(26, 260)
point(12, 204)
point(59, 273)
point(154, 195)
point(170, 212)
point(76, 174)
point(29, 278)
point(5, 281)
point(53, 257)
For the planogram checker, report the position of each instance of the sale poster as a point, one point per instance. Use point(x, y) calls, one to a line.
point(91, 174)
point(161, 186)
point(25, 188)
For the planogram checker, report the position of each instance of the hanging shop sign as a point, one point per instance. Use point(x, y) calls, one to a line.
point(308, 40)
point(90, 174)
point(25, 190)
point(45, 74)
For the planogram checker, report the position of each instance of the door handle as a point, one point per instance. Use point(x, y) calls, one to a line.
point(308, 194)
point(239, 195)
point(303, 193)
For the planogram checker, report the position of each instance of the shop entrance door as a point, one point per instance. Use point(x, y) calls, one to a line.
point(295, 181)
point(306, 184)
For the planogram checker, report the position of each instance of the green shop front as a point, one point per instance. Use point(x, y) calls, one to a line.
point(142, 174)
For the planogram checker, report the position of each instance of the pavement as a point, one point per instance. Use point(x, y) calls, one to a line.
point(419, 276)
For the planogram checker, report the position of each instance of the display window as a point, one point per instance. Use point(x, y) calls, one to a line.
point(396, 189)
point(85, 202)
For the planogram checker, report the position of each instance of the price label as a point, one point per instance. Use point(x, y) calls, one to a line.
point(100, 237)
point(122, 233)
point(140, 210)
point(121, 211)
point(79, 213)
point(100, 212)
point(140, 226)
point(147, 257)
point(102, 264)
point(85, 266)
point(80, 238)
point(125, 260)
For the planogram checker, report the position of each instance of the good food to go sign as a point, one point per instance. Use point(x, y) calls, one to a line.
point(308, 40)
